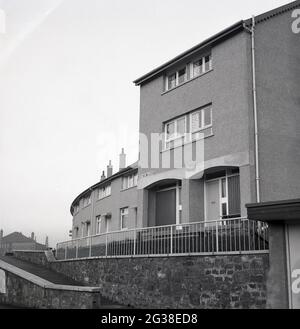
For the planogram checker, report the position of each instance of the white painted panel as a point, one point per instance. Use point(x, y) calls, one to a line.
point(294, 246)
point(2, 282)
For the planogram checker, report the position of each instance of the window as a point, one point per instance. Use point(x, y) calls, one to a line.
point(101, 224)
point(124, 219)
point(88, 228)
point(76, 208)
point(104, 192)
point(129, 181)
point(198, 123)
point(171, 81)
point(198, 67)
point(87, 200)
point(175, 130)
point(190, 71)
point(82, 230)
point(182, 76)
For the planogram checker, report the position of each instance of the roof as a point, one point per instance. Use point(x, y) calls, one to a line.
point(217, 38)
point(17, 237)
point(104, 182)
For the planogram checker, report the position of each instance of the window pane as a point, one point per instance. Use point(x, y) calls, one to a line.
point(224, 188)
point(196, 121)
point(198, 67)
point(172, 81)
point(207, 63)
point(224, 209)
point(207, 117)
point(170, 130)
point(182, 75)
point(181, 126)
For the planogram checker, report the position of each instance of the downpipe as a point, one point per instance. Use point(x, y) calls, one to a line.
point(254, 92)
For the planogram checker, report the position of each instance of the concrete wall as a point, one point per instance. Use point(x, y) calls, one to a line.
point(228, 88)
point(176, 282)
point(278, 81)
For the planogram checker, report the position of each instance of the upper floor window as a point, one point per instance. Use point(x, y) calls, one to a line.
point(200, 121)
point(124, 218)
point(189, 127)
point(175, 130)
point(188, 72)
point(101, 225)
point(129, 181)
point(104, 192)
point(76, 208)
point(87, 200)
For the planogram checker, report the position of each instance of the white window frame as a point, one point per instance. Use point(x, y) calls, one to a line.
point(101, 220)
point(203, 126)
point(127, 179)
point(187, 135)
point(121, 217)
point(176, 135)
point(223, 200)
point(104, 192)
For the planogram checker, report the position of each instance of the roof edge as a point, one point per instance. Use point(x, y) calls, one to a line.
point(118, 174)
point(218, 38)
point(215, 38)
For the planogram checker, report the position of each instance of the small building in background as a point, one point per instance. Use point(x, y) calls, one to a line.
point(18, 241)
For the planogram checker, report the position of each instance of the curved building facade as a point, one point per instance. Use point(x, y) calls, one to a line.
point(108, 206)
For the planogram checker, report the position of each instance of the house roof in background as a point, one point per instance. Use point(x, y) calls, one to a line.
point(17, 237)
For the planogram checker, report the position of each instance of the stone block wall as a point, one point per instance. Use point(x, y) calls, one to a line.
point(24, 293)
point(35, 257)
point(198, 282)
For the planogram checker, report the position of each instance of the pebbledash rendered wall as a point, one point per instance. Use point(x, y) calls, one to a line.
point(237, 281)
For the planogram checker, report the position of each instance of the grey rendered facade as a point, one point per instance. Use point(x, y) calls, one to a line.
point(228, 88)
point(179, 91)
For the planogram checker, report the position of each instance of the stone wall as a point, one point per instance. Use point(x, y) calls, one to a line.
point(35, 257)
point(237, 282)
point(24, 293)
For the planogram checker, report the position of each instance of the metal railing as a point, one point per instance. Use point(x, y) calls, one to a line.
point(228, 236)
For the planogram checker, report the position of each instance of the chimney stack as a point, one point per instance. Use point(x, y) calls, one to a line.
point(32, 236)
point(109, 169)
point(102, 176)
point(122, 163)
point(47, 242)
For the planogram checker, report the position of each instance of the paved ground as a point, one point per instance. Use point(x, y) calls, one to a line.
point(40, 271)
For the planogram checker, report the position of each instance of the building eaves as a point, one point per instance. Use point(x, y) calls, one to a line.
point(120, 173)
point(208, 42)
point(219, 37)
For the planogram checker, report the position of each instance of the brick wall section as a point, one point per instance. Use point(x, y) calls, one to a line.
point(237, 282)
point(23, 293)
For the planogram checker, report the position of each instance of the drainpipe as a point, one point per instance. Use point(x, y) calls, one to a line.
point(257, 172)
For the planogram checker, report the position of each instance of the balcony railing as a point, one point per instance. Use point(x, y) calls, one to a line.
point(230, 236)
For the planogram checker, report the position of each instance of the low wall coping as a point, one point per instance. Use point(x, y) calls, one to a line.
point(29, 251)
point(42, 282)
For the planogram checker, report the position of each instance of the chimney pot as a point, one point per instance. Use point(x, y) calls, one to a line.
point(122, 162)
point(109, 169)
point(103, 176)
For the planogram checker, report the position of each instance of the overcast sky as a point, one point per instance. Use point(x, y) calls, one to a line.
point(67, 101)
